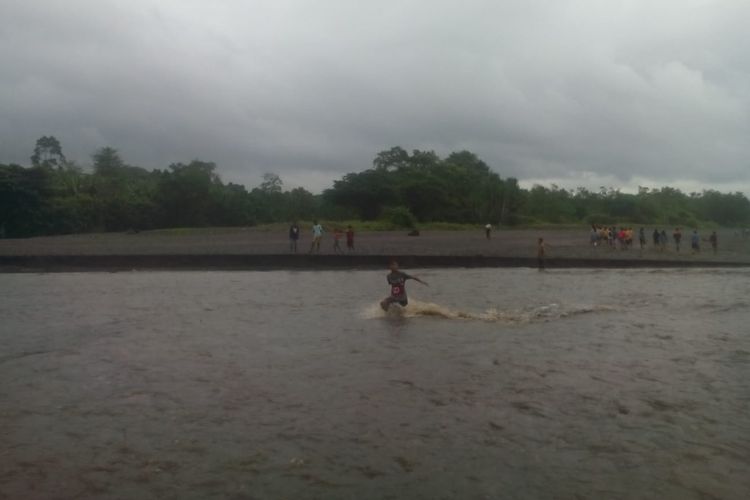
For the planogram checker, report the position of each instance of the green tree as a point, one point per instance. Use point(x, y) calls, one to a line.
point(272, 183)
point(184, 194)
point(512, 202)
point(107, 162)
point(47, 152)
point(23, 200)
point(366, 192)
point(301, 203)
point(393, 159)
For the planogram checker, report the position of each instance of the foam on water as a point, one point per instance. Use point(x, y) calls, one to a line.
point(547, 312)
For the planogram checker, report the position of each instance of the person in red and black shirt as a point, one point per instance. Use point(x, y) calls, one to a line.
point(397, 281)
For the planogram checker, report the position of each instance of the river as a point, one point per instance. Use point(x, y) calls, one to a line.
point(494, 383)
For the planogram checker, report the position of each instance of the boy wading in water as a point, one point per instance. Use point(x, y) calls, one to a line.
point(397, 280)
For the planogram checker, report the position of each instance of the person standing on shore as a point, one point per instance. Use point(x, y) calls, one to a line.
point(293, 237)
point(695, 241)
point(642, 237)
point(714, 239)
point(350, 238)
point(488, 230)
point(655, 237)
point(317, 231)
point(541, 250)
point(337, 241)
point(621, 238)
point(677, 236)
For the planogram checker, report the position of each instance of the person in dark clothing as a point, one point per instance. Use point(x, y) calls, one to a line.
point(642, 237)
point(397, 281)
point(541, 250)
point(350, 238)
point(714, 239)
point(677, 237)
point(655, 237)
point(293, 237)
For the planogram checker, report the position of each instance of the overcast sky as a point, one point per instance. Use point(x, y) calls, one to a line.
point(590, 92)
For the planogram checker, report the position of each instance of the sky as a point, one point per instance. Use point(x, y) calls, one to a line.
point(578, 93)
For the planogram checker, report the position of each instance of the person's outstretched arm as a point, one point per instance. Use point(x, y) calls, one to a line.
point(417, 280)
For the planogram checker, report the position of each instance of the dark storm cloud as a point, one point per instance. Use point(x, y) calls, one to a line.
point(573, 92)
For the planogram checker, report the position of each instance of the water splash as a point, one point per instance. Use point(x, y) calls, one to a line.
point(542, 313)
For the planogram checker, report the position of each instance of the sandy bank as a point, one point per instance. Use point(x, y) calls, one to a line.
point(247, 248)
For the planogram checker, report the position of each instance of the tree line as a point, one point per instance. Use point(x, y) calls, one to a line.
point(56, 196)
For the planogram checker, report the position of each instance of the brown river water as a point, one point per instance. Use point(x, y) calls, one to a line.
point(493, 383)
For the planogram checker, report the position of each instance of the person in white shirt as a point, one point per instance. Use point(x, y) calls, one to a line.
point(317, 231)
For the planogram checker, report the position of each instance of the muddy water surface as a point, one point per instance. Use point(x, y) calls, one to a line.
point(492, 384)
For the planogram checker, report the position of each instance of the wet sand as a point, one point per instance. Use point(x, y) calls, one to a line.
point(249, 248)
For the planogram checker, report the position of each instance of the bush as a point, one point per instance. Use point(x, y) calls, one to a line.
point(683, 219)
point(399, 217)
point(601, 219)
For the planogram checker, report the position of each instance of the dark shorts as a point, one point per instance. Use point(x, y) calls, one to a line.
point(395, 300)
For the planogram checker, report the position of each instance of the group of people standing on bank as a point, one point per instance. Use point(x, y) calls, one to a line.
point(623, 238)
point(317, 238)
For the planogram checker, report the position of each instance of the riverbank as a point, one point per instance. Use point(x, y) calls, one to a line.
point(248, 248)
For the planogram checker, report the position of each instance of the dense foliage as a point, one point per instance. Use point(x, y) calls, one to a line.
point(56, 196)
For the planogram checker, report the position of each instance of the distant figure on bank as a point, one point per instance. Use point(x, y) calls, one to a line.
point(695, 241)
point(663, 239)
point(655, 237)
point(642, 237)
point(317, 231)
point(488, 230)
point(540, 253)
point(397, 281)
point(293, 237)
point(594, 236)
point(350, 238)
point(677, 237)
point(714, 239)
point(337, 241)
point(620, 237)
